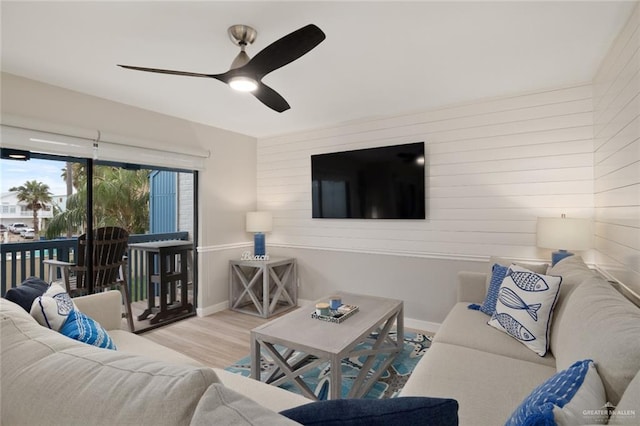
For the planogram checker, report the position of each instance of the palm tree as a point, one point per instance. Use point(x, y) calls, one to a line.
point(74, 174)
point(121, 198)
point(36, 195)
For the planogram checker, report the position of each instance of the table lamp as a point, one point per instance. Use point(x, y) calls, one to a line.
point(568, 233)
point(259, 223)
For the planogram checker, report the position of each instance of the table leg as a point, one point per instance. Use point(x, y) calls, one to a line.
point(279, 287)
point(172, 285)
point(255, 358)
point(265, 291)
point(151, 289)
point(400, 328)
point(184, 288)
point(336, 377)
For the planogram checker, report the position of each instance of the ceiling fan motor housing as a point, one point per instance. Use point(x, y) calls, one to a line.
point(242, 35)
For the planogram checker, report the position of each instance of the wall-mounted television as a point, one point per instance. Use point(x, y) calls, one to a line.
point(375, 183)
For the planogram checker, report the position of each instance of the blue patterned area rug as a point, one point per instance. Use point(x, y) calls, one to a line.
point(318, 379)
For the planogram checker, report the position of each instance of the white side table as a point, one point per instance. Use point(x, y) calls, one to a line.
point(263, 287)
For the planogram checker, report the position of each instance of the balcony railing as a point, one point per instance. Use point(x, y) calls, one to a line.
point(22, 260)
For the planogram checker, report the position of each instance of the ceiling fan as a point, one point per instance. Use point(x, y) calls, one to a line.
point(246, 73)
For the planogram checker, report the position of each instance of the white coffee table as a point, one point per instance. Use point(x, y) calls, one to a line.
point(323, 341)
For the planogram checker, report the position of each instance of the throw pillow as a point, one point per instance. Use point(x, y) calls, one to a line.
point(537, 268)
point(498, 272)
point(525, 305)
point(26, 293)
point(52, 308)
point(87, 330)
point(377, 412)
point(566, 398)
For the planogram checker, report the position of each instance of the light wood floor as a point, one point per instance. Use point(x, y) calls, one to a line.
point(216, 340)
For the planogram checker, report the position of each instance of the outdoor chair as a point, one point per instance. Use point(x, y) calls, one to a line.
point(109, 260)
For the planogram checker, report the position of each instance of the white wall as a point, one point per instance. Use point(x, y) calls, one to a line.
point(617, 157)
point(493, 166)
point(226, 186)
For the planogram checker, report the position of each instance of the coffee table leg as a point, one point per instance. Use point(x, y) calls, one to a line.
point(336, 377)
point(255, 358)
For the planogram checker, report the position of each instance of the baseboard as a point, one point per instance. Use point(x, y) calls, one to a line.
point(429, 326)
point(304, 302)
point(210, 310)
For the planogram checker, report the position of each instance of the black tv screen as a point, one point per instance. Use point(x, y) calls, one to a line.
point(374, 183)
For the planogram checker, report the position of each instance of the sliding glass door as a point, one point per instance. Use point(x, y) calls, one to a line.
point(48, 201)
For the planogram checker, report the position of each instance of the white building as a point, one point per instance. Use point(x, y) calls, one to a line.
point(12, 210)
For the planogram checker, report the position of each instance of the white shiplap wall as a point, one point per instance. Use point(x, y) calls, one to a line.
point(493, 166)
point(617, 157)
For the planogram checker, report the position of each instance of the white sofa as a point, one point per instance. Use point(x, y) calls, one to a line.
point(49, 379)
point(490, 373)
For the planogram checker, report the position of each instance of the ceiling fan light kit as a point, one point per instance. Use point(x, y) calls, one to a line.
point(243, 84)
point(246, 73)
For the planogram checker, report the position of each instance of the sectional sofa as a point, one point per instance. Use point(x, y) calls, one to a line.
point(50, 379)
point(490, 373)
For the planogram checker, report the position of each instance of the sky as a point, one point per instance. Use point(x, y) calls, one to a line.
point(15, 173)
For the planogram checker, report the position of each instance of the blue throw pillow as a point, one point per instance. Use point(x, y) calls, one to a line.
point(85, 329)
point(566, 398)
point(498, 272)
point(408, 410)
point(27, 292)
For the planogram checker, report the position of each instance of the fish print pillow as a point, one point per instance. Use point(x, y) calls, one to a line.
point(525, 306)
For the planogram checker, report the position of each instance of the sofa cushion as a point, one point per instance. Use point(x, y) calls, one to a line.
point(141, 345)
point(13, 310)
point(84, 329)
point(24, 341)
point(26, 293)
point(573, 271)
point(222, 406)
point(525, 305)
point(469, 328)
point(377, 412)
point(270, 396)
point(599, 323)
point(84, 382)
point(563, 398)
point(627, 412)
point(475, 379)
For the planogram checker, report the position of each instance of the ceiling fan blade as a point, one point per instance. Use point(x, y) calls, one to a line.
point(270, 98)
point(161, 71)
point(285, 50)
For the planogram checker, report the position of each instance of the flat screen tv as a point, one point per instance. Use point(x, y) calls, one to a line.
point(375, 183)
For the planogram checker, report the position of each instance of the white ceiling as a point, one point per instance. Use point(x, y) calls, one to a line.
point(379, 58)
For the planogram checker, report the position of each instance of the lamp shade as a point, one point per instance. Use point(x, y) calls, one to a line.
point(564, 233)
point(259, 222)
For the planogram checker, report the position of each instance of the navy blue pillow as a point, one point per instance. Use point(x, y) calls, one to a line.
point(27, 292)
point(402, 411)
point(498, 273)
